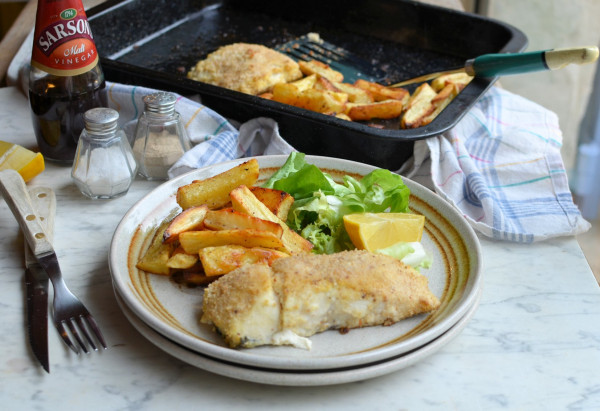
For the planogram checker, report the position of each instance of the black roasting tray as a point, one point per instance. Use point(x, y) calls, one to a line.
point(155, 43)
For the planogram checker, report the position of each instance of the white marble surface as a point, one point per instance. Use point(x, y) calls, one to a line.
point(533, 344)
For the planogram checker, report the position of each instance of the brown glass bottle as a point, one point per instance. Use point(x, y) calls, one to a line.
point(65, 79)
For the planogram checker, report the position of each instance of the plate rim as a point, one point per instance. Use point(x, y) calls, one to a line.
point(245, 356)
point(297, 378)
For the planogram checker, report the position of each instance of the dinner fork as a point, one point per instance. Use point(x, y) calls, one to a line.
point(68, 310)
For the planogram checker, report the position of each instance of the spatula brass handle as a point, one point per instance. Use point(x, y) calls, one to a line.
point(491, 65)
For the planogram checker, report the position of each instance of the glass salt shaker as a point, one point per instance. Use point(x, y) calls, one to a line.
point(160, 138)
point(104, 165)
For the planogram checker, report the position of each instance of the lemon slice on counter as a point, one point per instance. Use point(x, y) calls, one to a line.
point(25, 162)
point(374, 231)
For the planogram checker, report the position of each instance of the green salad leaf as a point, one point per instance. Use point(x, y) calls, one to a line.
point(320, 202)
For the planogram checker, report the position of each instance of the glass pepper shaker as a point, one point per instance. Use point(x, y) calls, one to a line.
point(104, 165)
point(160, 138)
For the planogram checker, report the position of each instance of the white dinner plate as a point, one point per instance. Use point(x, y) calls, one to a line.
point(173, 310)
point(296, 378)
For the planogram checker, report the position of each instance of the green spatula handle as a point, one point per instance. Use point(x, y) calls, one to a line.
point(491, 65)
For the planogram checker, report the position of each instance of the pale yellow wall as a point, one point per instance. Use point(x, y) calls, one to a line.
point(555, 24)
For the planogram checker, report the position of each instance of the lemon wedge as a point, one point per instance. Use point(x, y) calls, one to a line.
point(25, 162)
point(374, 231)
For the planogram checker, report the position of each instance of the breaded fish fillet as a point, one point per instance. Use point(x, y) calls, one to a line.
point(302, 295)
point(248, 68)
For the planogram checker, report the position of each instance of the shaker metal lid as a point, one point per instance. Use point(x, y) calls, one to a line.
point(101, 120)
point(161, 102)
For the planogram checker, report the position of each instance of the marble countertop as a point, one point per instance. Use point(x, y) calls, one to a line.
point(533, 343)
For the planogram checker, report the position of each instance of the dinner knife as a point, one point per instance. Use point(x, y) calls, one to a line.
point(43, 201)
point(502, 64)
point(68, 309)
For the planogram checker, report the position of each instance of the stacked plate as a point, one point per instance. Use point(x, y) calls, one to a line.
point(167, 313)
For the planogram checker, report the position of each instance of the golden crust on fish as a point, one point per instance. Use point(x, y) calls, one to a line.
point(348, 290)
point(248, 68)
point(306, 294)
point(243, 307)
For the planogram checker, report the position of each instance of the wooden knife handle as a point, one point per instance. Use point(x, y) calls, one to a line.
point(16, 196)
point(43, 201)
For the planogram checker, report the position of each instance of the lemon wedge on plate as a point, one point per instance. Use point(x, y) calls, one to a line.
point(374, 231)
point(25, 162)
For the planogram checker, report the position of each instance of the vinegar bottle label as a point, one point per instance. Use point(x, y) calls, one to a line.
point(63, 44)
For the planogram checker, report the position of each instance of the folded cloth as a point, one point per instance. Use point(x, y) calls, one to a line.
point(201, 123)
point(215, 139)
point(501, 167)
point(257, 137)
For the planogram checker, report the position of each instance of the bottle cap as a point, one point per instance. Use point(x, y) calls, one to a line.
point(161, 102)
point(101, 120)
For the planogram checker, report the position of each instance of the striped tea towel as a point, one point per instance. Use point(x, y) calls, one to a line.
point(257, 137)
point(501, 167)
point(215, 139)
point(201, 123)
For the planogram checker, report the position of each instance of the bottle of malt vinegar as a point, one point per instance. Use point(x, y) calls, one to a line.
point(65, 79)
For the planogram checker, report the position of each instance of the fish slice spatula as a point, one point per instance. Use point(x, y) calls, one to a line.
point(312, 47)
point(503, 64)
